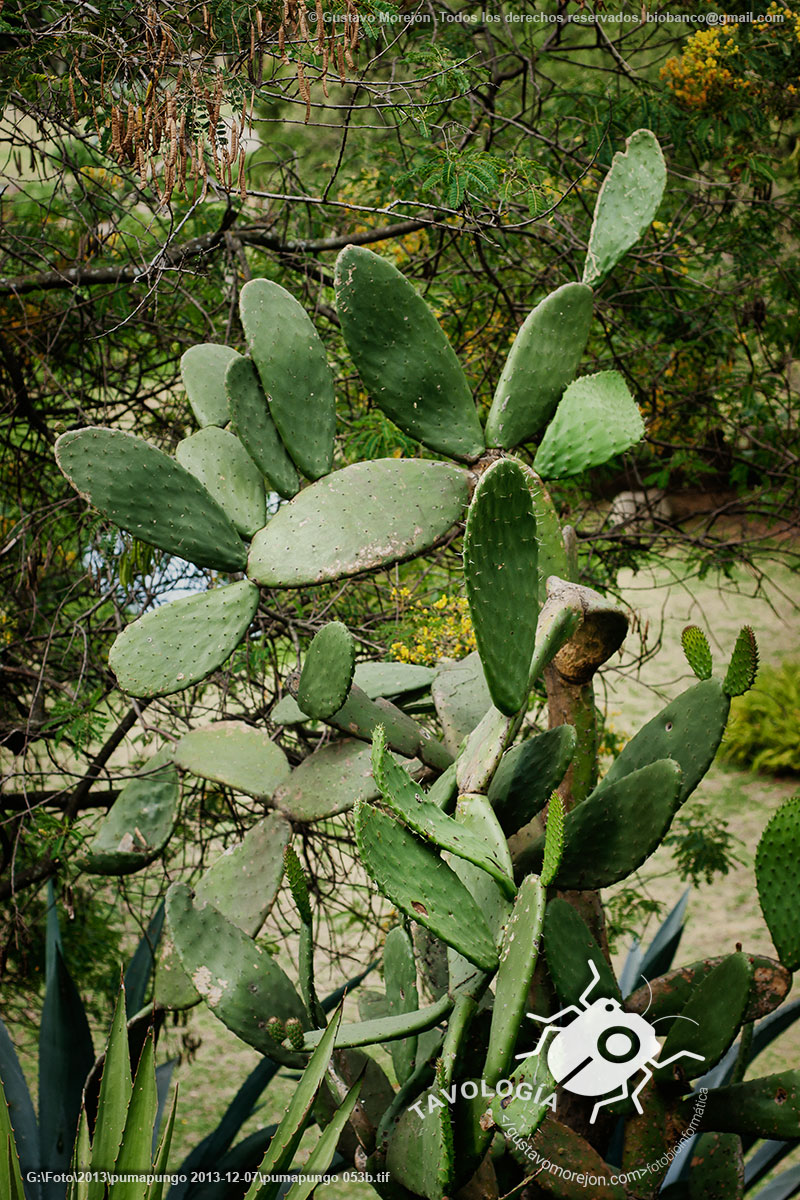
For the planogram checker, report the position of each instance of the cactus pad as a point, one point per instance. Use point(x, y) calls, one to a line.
point(236, 755)
point(327, 671)
point(697, 650)
point(203, 370)
point(540, 364)
point(518, 955)
point(461, 698)
point(255, 428)
point(146, 492)
point(138, 824)
point(617, 827)
point(711, 1017)
point(717, 1168)
point(392, 678)
point(689, 730)
point(407, 801)
point(569, 946)
point(778, 880)
point(502, 579)
point(741, 674)
point(595, 419)
point(181, 643)
point(219, 460)
point(242, 885)
point(370, 514)
point(403, 356)
point(421, 885)
point(527, 775)
point(330, 781)
point(400, 974)
point(553, 557)
point(294, 372)
point(474, 814)
point(626, 204)
point(763, 1108)
point(239, 981)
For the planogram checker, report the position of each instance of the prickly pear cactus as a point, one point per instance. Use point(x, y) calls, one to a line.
point(514, 1047)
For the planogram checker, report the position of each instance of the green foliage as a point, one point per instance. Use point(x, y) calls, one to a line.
point(702, 845)
point(762, 734)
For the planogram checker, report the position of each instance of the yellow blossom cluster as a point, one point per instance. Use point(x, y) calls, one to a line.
point(707, 69)
point(442, 629)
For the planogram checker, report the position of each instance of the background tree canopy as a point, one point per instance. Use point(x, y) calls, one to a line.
point(157, 157)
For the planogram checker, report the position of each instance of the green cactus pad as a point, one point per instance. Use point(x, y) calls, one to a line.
point(617, 827)
point(778, 880)
point(717, 1171)
point(408, 802)
point(540, 364)
point(762, 1108)
point(502, 580)
point(475, 815)
point(697, 651)
point(522, 1112)
point(370, 514)
point(255, 428)
point(403, 356)
point(741, 674)
point(242, 884)
point(361, 716)
point(626, 204)
point(569, 946)
point(400, 974)
point(138, 825)
point(559, 1144)
point(689, 730)
point(146, 492)
point(667, 994)
point(240, 982)
point(420, 884)
point(528, 774)
point(596, 419)
point(236, 755)
point(330, 781)
point(219, 460)
point(553, 839)
point(287, 712)
point(461, 698)
point(203, 370)
point(419, 1156)
point(518, 956)
point(294, 372)
point(711, 1017)
point(553, 558)
point(444, 790)
point(179, 644)
point(392, 679)
point(327, 671)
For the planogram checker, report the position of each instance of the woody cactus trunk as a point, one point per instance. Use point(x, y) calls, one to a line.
point(518, 1058)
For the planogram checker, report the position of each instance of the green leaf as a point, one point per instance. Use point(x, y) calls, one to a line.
point(115, 1096)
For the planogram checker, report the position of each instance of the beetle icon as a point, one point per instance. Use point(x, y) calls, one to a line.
point(601, 1049)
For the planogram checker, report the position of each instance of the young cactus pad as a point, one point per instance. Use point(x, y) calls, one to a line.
point(697, 651)
point(540, 364)
point(327, 671)
point(368, 515)
point(203, 371)
point(143, 490)
point(501, 574)
point(741, 674)
point(181, 643)
point(403, 356)
point(596, 419)
point(294, 372)
point(626, 204)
